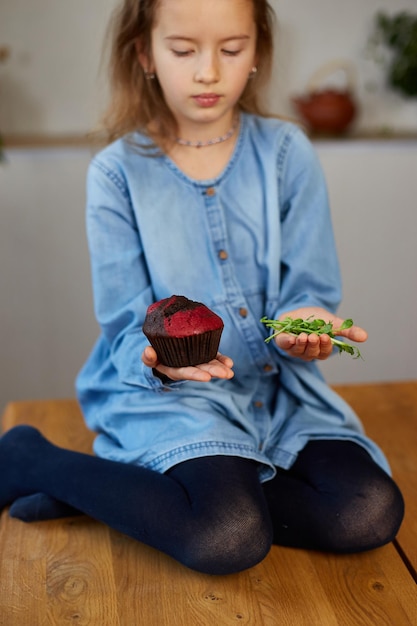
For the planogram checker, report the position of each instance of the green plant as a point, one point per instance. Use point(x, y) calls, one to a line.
point(398, 34)
point(312, 326)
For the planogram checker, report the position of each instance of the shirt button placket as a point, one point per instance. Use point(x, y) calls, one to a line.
point(222, 254)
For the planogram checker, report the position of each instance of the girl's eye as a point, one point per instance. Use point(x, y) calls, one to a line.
point(231, 53)
point(181, 53)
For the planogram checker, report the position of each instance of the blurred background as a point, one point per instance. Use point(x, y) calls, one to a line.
point(339, 68)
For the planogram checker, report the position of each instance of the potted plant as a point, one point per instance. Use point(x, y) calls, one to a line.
point(398, 35)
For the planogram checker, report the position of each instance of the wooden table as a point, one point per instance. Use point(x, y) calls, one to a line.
point(77, 571)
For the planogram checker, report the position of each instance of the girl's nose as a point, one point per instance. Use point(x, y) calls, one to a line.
point(207, 70)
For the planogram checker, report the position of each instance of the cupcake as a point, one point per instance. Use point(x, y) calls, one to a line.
point(182, 332)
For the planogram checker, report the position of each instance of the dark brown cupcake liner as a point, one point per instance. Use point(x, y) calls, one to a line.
point(191, 350)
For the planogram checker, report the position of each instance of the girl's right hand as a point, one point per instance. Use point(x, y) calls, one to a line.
point(220, 367)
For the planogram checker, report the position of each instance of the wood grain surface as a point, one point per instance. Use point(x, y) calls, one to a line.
point(77, 571)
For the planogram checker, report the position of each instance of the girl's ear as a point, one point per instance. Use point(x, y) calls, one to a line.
point(143, 58)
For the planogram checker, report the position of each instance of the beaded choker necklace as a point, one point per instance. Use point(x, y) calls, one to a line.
point(209, 142)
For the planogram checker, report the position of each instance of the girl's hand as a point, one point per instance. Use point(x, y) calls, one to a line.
point(220, 367)
point(309, 347)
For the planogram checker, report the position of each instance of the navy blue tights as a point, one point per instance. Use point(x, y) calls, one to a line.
point(211, 514)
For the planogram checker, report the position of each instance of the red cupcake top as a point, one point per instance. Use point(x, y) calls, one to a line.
point(178, 316)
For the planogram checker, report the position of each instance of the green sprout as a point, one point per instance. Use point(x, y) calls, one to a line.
point(312, 327)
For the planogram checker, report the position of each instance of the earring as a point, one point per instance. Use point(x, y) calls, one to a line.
point(149, 75)
point(253, 71)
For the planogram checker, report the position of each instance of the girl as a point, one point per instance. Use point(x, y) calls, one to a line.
point(201, 195)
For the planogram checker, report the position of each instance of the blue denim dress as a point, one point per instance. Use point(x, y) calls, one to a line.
point(257, 240)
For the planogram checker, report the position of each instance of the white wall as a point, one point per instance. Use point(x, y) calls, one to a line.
point(373, 194)
point(46, 312)
point(49, 84)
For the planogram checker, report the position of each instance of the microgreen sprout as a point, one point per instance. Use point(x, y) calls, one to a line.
point(312, 326)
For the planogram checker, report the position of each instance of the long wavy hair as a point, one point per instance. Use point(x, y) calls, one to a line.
point(135, 100)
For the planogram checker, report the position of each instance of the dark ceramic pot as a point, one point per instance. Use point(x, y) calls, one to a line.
point(328, 110)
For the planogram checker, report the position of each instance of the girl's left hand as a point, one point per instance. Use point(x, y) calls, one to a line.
point(220, 367)
point(309, 347)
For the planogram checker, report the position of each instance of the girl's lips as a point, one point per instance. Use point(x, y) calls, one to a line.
point(207, 99)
